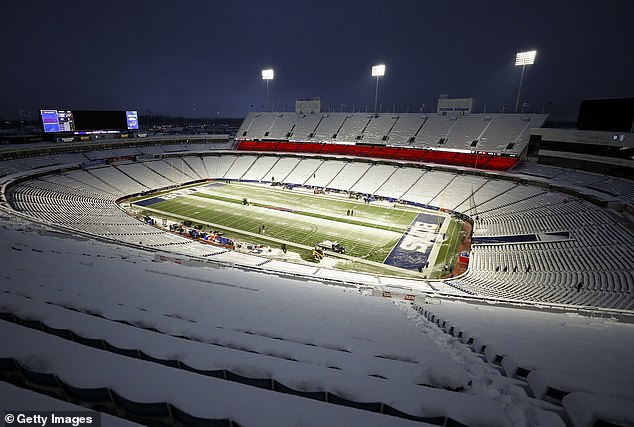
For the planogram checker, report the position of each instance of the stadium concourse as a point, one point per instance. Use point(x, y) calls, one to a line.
point(104, 311)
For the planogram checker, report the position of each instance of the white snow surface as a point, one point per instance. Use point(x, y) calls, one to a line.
point(586, 408)
point(17, 399)
point(253, 324)
point(563, 351)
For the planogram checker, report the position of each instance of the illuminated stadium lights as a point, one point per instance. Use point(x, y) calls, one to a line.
point(523, 59)
point(267, 74)
point(377, 71)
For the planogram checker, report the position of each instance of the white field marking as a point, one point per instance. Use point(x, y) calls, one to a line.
point(325, 208)
point(342, 228)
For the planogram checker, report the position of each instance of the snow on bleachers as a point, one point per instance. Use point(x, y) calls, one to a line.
point(17, 399)
point(506, 129)
point(405, 128)
point(569, 353)
point(146, 174)
point(15, 165)
point(197, 166)
point(329, 126)
point(581, 179)
point(100, 154)
point(260, 169)
point(257, 125)
point(188, 172)
point(90, 181)
point(172, 168)
point(118, 180)
point(239, 167)
point(304, 170)
point(122, 152)
point(349, 175)
point(564, 272)
point(585, 409)
point(494, 131)
point(226, 320)
point(532, 168)
point(352, 127)
point(461, 189)
point(491, 189)
point(429, 187)
point(283, 168)
point(373, 179)
point(435, 127)
point(620, 187)
point(304, 126)
point(379, 128)
point(326, 171)
point(151, 150)
point(64, 183)
point(282, 126)
point(464, 131)
point(399, 182)
point(507, 201)
point(597, 256)
point(218, 166)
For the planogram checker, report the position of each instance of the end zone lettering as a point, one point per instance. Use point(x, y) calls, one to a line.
point(418, 237)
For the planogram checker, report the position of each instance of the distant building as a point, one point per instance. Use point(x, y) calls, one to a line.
point(455, 105)
point(603, 141)
point(308, 106)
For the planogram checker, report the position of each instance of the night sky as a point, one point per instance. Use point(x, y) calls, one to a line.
point(203, 58)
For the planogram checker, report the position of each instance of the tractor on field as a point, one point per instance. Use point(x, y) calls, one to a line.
point(332, 246)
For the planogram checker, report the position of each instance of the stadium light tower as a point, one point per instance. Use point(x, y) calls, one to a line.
point(377, 71)
point(267, 75)
point(523, 59)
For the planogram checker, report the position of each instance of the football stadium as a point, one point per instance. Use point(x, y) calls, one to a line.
point(314, 266)
point(456, 273)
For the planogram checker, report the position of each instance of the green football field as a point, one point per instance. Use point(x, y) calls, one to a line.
point(301, 219)
point(296, 216)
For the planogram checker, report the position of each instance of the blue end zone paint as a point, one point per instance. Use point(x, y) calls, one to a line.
point(413, 249)
point(148, 202)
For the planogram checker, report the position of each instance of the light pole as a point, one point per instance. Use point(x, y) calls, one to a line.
point(377, 71)
point(547, 103)
point(523, 59)
point(267, 75)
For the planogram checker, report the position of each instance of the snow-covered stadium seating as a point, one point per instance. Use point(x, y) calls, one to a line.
point(591, 266)
point(208, 331)
point(500, 133)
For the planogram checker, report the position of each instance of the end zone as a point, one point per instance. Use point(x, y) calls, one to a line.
point(413, 249)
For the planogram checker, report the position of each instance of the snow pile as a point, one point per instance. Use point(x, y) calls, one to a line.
point(464, 368)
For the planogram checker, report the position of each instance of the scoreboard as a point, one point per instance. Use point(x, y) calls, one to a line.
point(88, 121)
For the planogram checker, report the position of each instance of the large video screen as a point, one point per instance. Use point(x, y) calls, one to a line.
point(57, 120)
point(132, 119)
point(89, 121)
point(610, 114)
